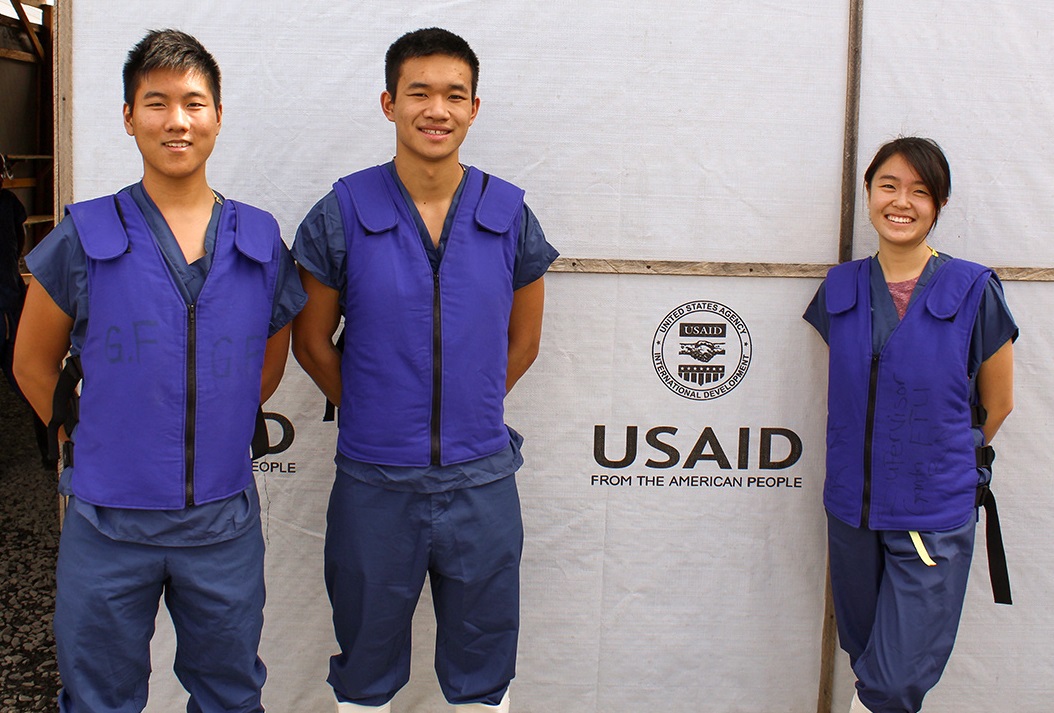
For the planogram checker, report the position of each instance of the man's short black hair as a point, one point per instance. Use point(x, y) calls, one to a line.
point(425, 43)
point(169, 49)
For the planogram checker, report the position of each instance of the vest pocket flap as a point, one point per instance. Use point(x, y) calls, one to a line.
point(369, 195)
point(840, 286)
point(499, 205)
point(255, 231)
point(100, 228)
point(946, 302)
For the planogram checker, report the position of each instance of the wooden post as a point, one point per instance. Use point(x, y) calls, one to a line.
point(850, 147)
point(828, 649)
point(851, 132)
point(60, 21)
point(62, 81)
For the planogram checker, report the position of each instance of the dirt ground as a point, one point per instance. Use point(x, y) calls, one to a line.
point(29, 536)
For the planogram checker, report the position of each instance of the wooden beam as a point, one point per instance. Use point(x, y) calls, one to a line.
point(678, 267)
point(1025, 274)
point(28, 27)
point(603, 266)
point(13, 183)
point(19, 55)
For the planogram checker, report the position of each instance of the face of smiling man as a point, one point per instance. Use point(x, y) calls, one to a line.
point(432, 108)
point(175, 122)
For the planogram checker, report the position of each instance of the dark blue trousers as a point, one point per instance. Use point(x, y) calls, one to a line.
point(107, 600)
point(380, 544)
point(897, 616)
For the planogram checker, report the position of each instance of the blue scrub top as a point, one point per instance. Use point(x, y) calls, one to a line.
point(59, 264)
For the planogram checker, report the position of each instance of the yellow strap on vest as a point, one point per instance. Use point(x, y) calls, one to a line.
point(916, 539)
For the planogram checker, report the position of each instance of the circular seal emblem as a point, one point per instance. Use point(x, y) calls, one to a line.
point(701, 350)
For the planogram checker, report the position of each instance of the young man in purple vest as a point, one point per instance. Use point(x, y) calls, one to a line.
point(437, 270)
point(176, 305)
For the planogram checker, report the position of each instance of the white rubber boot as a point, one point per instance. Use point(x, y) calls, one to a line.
point(857, 706)
point(502, 707)
point(345, 707)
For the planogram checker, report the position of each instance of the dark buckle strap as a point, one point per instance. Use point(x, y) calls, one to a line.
point(985, 457)
point(65, 404)
point(67, 454)
point(997, 569)
point(978, 415)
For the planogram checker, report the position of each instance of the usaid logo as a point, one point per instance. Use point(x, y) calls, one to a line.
point(701, 350)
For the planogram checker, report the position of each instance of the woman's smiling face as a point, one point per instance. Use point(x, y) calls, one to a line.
point(901, 207)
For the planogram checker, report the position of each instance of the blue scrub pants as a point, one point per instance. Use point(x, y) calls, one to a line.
point(106, 603)
point(897, 617)
point(379, 546)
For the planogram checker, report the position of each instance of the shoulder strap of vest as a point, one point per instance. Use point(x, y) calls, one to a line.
point(100, 228)
point(366, 192)
point(950, 286)
point(841, 286)
point(500, 204)
point(255, 232)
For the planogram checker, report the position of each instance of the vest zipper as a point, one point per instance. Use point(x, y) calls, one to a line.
point(437, 370)
point(869, 428)
point(192, 399)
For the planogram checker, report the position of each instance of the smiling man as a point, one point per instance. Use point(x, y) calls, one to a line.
point(437, 270)
point(175, 304)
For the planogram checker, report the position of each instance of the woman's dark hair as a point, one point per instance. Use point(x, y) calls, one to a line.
point(926, 157)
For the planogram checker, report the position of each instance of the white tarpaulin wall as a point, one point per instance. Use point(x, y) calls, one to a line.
point(685, 130)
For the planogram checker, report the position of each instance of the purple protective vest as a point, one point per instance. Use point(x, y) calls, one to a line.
point(170, 392)
point(425, 354)
point(900, 447)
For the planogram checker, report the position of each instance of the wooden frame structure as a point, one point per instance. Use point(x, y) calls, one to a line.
point(41, 155)
point(59, 22)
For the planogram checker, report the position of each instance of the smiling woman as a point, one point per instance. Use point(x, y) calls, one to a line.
point(901, 206)
point(907, 184)
point(920, 379)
